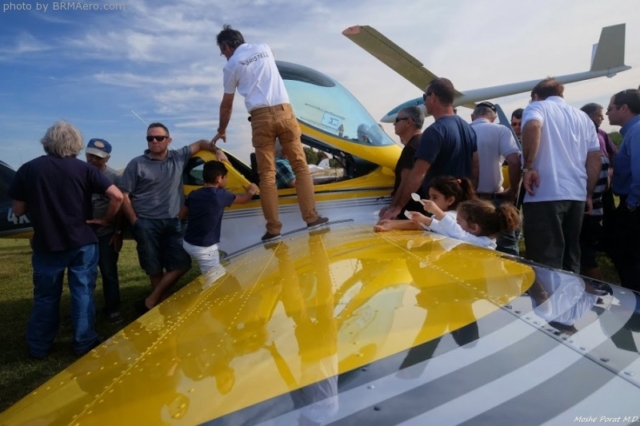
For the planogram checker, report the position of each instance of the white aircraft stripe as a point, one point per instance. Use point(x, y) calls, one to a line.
point(617, 399)
point(499, 391)
point(519, 381)
point(389, 386)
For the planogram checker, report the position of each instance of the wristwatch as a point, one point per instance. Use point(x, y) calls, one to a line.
point(527, 169)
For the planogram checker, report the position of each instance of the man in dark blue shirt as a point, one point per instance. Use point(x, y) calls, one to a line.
point(447, 147)
point(55, 192)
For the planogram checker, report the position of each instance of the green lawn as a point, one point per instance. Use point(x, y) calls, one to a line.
point(20, 375)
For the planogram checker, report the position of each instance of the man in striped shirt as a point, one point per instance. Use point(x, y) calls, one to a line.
point(592, 231)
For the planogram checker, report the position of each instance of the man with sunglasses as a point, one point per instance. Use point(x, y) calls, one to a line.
point(495, 145)
point(252, 71)
point(153, 195)
point(447, 147)
point(408, 127)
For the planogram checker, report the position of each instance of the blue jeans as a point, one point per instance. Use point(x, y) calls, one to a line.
point(48, 273)
point(108, 265)
point(159, 245)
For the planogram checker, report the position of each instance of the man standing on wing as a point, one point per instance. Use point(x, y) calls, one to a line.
point(251, 69)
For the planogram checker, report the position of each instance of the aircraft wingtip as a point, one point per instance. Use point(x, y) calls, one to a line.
point(352, 30)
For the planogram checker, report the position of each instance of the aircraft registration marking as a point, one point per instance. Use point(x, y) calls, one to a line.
point(11, 217)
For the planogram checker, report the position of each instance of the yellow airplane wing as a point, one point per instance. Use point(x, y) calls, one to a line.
point(276, 320)
point(341, 324)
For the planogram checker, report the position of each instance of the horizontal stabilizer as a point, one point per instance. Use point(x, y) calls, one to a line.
point(610, 49)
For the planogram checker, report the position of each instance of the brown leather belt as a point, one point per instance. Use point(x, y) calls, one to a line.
point(274, 108)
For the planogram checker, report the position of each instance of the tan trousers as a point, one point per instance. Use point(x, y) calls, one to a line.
point(267, 124)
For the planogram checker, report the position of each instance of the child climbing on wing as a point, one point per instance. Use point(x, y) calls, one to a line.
point(204, 208)
point(446, 192)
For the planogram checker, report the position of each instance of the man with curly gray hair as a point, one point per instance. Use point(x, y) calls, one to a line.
point(55, 192)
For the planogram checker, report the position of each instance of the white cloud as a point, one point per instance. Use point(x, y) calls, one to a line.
point(24, 44)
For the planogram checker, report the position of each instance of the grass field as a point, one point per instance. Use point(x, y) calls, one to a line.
point(19, 374)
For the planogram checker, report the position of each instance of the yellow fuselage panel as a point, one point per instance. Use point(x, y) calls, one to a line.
point(308, 308)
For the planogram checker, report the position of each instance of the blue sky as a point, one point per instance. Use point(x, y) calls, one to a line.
point(160, 60)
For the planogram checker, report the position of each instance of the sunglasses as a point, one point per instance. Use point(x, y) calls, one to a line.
point(399, 119)
point(158, 138)
point(424, 95)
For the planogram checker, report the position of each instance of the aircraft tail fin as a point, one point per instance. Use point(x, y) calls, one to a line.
point(392, 55)
point(609, 51)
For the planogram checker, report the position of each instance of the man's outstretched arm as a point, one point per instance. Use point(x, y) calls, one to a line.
point(226, 107)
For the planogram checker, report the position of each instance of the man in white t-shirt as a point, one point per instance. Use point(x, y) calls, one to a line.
point(561, 156)
point(252, 70)
point(496, 145)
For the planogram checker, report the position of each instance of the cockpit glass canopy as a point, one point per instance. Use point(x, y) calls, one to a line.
point(323, 104)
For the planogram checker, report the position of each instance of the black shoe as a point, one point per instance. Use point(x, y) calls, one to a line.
point(141, 306)
point(270, 237)
point(319, 221)
point(114, 317)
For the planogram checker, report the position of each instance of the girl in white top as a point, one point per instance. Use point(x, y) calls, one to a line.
point(477, 222)
point(474, 221)
point(446, 192)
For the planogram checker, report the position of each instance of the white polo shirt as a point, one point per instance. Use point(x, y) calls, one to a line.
point(252, 71)
point(495, 142)
point(567, 135)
